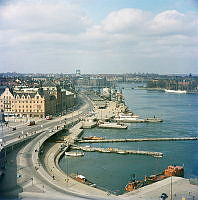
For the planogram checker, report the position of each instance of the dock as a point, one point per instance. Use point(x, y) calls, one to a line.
point(116, 150)
point(138, 140)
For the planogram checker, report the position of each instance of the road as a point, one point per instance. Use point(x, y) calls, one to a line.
point(43, 124)
point(19, 159)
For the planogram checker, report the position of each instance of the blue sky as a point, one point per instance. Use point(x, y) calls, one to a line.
point(99, 36)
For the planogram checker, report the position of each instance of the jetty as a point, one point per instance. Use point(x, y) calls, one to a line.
point(116, 150)
point(138, 140)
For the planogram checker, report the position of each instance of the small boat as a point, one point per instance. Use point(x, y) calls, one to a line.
point(154, 119)
point(112, 125)
point(74, 154)
point(158, 156)
point(176, 91)
point(122, 152)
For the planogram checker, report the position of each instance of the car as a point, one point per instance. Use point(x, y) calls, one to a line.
point(163, 196)
point(14, 128)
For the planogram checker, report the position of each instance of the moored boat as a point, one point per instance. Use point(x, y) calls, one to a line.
point(168, 172)
point(176, 91)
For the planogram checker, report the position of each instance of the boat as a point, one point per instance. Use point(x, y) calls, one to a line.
point(176, 91)
point(168, 172)
point(74, 154)
point(128, 118)
point(154, 119)
point(157, 156)
point(112, 125)
point(122, 152)
point(82, 179)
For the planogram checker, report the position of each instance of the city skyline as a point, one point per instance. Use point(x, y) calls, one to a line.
point(99, 36)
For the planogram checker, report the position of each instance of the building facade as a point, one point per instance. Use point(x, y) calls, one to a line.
point(35, 102)
point(27, 104)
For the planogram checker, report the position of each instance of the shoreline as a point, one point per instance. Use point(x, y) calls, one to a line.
point(161, 89)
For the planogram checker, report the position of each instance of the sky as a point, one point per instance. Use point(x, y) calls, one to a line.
point(99, 36)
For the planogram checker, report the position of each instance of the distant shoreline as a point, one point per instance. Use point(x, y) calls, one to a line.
point(162, 89)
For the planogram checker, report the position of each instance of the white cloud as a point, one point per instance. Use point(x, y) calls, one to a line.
point(173, 22)
point(124, 20)
point(44, 16)
point(63, 30)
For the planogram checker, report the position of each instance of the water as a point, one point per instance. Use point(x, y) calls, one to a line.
point(113, 171)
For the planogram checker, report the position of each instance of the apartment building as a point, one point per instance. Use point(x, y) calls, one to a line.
point(27, 103)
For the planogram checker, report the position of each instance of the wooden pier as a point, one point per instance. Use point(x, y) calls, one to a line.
point(138, 140)
point(118, 151)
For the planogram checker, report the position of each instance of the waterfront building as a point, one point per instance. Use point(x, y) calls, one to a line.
point(21, 103)
point(67, 99)
point(35, 102)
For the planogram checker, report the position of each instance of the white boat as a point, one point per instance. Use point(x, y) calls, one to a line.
point(176, 91)
point(128, 119)
point(128, 115)
point(158, 156)
point(112, 125)
point(74, 154)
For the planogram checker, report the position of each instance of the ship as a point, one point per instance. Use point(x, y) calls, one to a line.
point(176, 91)
point(168, 172)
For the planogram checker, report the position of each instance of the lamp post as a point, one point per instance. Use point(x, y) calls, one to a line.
point(171, 189)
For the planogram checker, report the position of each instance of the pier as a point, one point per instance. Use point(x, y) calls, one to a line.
point(118, 151)
point(138, 140)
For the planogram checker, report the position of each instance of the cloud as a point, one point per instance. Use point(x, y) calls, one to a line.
point(46, 16)
point(173, 22)
point(124, 20)
point(61, 32)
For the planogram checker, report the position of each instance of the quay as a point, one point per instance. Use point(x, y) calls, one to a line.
point(115, 150)
point(138, 140)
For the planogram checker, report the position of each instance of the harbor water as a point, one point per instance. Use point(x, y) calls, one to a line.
point(112, 172)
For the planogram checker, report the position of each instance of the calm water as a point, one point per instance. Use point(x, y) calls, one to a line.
point(113, 171)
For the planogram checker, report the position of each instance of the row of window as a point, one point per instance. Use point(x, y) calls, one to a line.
point(21, 101)
point(9, 97)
